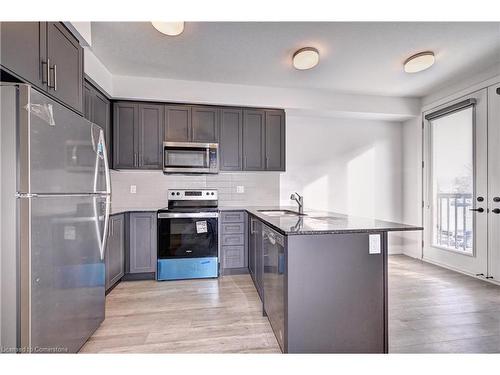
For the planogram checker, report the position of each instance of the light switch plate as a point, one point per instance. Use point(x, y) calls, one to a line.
point(240, 189)
point(133, 189)
point(374, 246)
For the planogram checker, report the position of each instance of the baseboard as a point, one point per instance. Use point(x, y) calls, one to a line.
point(138, 276)
point(234, 271)
point(430, 261)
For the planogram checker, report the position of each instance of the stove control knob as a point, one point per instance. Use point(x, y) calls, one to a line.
point(173, 193)
point(212, 193)
point(178, 193)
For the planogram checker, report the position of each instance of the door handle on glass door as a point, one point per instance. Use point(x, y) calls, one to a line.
point(480, 209)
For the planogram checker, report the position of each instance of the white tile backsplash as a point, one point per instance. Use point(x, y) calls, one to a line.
point(260, 188)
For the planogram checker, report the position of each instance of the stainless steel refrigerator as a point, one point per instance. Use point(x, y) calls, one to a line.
point(55, 199)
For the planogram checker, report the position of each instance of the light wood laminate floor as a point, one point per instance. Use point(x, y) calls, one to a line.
point(431, 309)
point(191, 316)
point(435, 310)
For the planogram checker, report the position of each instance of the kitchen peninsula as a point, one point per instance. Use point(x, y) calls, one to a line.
point(322, 277)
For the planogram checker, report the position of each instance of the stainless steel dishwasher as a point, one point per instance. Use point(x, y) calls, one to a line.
point(274, 280)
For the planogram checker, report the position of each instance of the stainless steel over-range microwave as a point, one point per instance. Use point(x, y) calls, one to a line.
point(190, 157)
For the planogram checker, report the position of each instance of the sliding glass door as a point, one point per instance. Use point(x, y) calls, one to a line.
point(456, 184)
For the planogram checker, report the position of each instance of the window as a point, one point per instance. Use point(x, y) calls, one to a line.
point(452, 178)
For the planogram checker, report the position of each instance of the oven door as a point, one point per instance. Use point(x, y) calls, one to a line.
point(187, 235)
point(190, 157)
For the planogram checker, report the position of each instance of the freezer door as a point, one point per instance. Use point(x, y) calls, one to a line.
point(67, 153)
point(67, 271)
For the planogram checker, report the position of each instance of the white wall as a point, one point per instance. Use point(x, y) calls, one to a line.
point(301, 100)
point(96, 70)
point(151, 188)
point(345, 165)
point(412, 185)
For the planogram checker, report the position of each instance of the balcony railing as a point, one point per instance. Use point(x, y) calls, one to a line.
point(454, 221)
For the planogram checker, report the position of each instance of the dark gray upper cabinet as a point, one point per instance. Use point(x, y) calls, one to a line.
point(46, 55)
point(66, 65)
point(231, 139)
point(142, 242)
point(101, 112)
point(137, 135)
point(23, 50)
point(205, 124)
point(115, 250)
point(125, 121)
point(275, 140)
point(249, 139)
point(253, 140)
point(97, 108)
point(177, 123)
point(87, 101)
point(150, 136)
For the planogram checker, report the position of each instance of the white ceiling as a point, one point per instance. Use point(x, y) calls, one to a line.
point(362, 58)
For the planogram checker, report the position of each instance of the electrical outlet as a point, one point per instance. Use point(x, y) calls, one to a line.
point(240, 189)
point(133, 189)
point(374, 244)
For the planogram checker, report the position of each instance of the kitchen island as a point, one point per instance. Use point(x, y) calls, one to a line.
point(322, 278)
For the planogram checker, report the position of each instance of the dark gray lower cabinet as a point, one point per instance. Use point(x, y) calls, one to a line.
point(233, 242)
point(115, 250)
point(255, 254)
point(142, 244)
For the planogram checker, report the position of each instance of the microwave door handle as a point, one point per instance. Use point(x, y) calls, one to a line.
point(208, 157)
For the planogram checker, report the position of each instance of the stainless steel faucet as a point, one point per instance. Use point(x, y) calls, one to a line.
point(300, 201)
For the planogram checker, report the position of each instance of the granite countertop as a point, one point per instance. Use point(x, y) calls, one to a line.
point(323, 222)
point(122, 210)
point(313, 222)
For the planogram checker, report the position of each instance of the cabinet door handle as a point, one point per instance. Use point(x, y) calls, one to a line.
point(48, 73)
point(135, 159)
point(55, 77)
point(480, 209)
point(45, 72)
point(496, 210)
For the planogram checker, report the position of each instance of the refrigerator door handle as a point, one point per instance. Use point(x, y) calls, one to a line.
point(101, 153)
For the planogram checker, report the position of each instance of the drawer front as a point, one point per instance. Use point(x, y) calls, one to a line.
point(233, 217)
point(233, 228)
point(234, 256)
point(233, 239)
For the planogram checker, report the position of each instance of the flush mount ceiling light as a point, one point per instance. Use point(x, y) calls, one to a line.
point(419, 62)
point(169, 28)
point(305, 58)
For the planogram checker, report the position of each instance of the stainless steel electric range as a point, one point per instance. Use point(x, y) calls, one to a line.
point(188, 235)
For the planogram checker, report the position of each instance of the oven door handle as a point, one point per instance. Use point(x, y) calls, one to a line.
point(187, 215)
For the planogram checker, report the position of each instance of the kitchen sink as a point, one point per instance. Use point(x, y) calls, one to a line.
point(281, 213)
